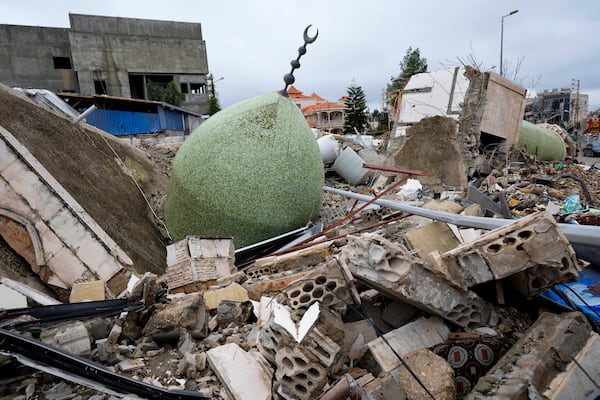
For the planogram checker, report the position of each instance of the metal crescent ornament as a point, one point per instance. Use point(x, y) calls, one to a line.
point(289, 78)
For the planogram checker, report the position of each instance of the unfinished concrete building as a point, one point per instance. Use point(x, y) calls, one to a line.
point(107, 55)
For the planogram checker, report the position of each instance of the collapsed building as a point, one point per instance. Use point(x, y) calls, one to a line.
point(402, 293)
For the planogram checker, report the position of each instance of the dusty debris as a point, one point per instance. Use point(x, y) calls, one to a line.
point(532, 250)
point(389, 267)
point(545, 350)
point(377, 305)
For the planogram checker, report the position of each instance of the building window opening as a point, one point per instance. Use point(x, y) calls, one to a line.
point(61, 62)
point(100, 86)
point(197, 88)
point(184, 88)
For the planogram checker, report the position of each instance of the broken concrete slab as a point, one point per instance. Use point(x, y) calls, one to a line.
point(534, 244)
point(435, 375)
point(72, 337)
point(233, 312)
point(433, 145)
point(544, 351)
point(389, 268)
point(186, 312)
point(435, 236)
point(420, 334)
point(328, 283)
point(580, 378)
point(356, 335)
point(240, 373)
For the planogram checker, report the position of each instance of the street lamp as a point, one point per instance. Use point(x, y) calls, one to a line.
point(502, 35)
point(212, 84)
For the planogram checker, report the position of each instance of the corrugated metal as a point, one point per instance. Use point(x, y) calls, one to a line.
point(170, 119)
point(120, 122)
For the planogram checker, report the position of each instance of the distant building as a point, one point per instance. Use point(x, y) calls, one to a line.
point(559, 106)
point(319, 113)
point(121, 57)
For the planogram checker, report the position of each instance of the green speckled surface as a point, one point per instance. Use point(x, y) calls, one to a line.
point(251, 171)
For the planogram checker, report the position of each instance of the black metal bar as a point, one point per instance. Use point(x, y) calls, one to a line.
point(82, 371)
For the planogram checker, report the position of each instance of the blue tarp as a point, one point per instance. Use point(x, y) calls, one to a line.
point(120, 123)
point(582, 295)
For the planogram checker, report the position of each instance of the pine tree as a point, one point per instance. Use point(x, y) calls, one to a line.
point(213, 105)
point(355, 106)
point(411, 64)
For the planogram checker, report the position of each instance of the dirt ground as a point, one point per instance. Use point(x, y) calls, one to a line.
point(97, 170)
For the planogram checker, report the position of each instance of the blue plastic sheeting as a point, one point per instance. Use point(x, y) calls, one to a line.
point(170, 119)
point(583, 295)
point(120, 123)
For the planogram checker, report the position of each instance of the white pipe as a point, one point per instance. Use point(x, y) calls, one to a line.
point(84, 114)
point(587, 235)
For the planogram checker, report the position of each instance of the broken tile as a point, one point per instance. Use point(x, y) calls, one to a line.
point(240, 373)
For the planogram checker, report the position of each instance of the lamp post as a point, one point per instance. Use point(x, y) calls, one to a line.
point(212, 84)
point(502, 35)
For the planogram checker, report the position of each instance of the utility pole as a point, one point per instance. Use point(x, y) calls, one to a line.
point(575, 115)
point(212, 85)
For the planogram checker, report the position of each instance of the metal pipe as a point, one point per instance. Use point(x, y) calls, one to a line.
point(84, 114)
point(587, 235)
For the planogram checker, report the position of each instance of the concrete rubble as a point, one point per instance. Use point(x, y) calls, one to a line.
point(379, 304)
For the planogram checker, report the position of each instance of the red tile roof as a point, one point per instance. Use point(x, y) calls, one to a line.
point(317, 97)
point(322, 106)
point(295, 93)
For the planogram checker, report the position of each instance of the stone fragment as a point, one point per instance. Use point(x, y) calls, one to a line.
point(187, 312)
point(59, 391)
point(386, 387)
point(240, 373)
point(544, 351)
point(577, 381)
point(420, 334)
point(434, 373)
point(107, 353)
point(435, 236)
point(233, 312)
point(130, 365)
point(186, 344)
point(356, 336)
point(72, 337)
point(145, 289)
point(115, 332)
point(533, 247)
point(390, 268)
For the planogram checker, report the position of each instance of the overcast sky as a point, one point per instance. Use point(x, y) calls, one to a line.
point(251, 43)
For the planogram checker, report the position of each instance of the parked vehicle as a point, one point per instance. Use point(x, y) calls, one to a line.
point(592, 149)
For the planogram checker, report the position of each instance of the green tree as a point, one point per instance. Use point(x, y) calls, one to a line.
point(168, 94)
point(355, 106)
point(411, 64)
point(213, 105)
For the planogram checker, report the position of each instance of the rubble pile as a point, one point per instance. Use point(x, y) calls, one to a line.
point(375, 304)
